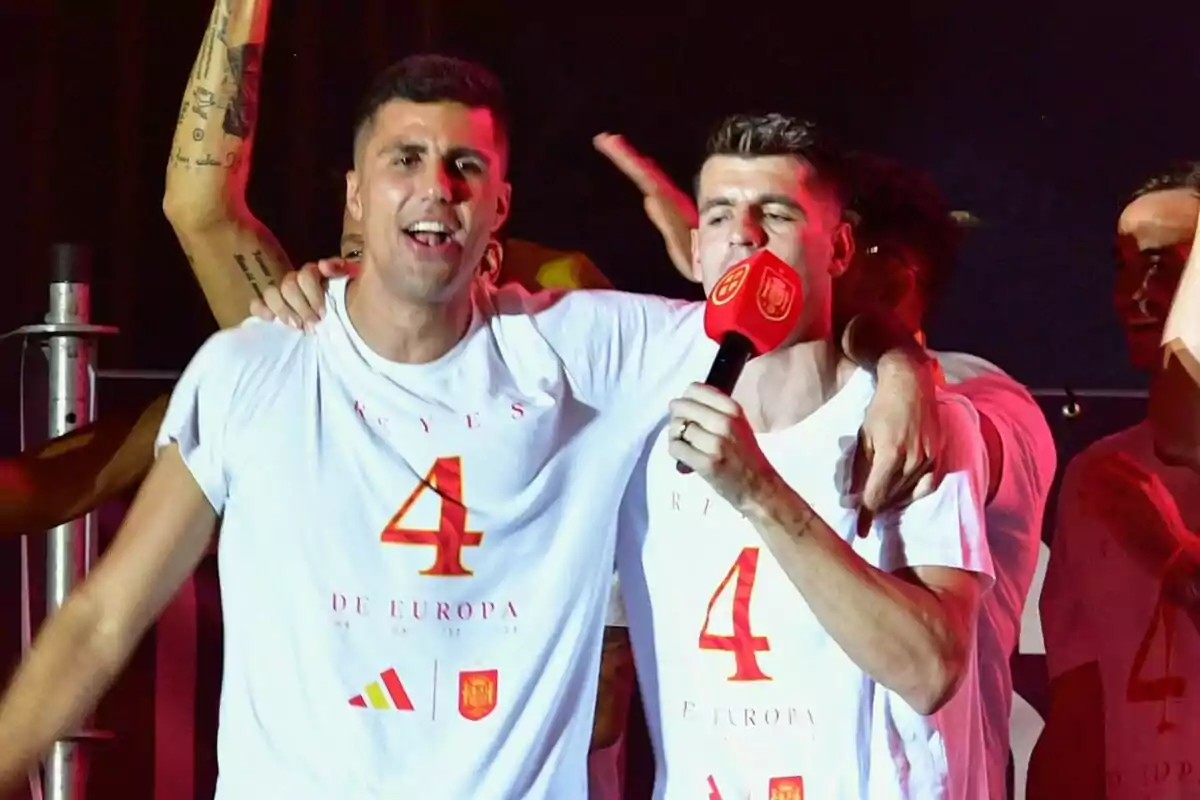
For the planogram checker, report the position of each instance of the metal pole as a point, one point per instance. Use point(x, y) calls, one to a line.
point(68, 340)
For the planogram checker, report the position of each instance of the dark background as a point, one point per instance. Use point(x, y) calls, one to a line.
point(1037, 116)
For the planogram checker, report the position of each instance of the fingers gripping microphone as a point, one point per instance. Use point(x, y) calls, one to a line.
point(752, 310)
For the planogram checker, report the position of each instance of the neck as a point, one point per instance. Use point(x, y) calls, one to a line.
point(780, 389)
point(402, 330)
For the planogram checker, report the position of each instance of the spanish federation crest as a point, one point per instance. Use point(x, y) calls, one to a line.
point(478, 691)
point(775, 295)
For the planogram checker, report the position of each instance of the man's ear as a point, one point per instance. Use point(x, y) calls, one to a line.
point(353, 198)
point(503, 205)
point(843, 249)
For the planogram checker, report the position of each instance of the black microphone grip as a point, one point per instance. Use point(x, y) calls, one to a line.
point(732, 355)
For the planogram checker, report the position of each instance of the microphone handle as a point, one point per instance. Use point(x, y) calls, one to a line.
point(732, 355)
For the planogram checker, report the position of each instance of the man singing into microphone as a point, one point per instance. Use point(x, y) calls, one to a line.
point(906, 245)
point(801, 648)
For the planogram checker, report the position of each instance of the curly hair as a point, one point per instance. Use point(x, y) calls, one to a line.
point(1180, 175)
point(750, 136)
point(895, 205)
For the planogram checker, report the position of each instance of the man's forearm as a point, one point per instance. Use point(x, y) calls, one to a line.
point(210, 152)
point(235, 257)
point(900, 634)
point(868, 337)
point(59, 684)
point(71, 475)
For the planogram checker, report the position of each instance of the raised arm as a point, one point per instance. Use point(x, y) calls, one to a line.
point(234, 256)
point(1175, 391)
point(82, 648)
point(73, 474)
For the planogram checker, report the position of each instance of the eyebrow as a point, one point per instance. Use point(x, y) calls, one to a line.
point(764, 200)
point(418, 149)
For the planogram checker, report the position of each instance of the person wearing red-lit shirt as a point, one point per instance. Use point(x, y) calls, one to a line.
point(1119, 604)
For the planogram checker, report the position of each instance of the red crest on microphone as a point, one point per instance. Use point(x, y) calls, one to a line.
point(775, 295)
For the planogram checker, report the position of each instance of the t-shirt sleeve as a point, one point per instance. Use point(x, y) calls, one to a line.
point(945, 528)
point(1066, 624)
point(1030, 456)
point(616, 344)
point(197, 416)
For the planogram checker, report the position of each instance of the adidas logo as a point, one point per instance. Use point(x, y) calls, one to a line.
point(386, 694)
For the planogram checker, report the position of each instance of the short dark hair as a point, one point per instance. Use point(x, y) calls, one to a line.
point(1180, 175)
point(894, 204)
point(751, 136)
point(435, 79)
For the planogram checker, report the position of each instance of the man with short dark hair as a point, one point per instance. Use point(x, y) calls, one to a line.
point(380, 641)
point(906, 247)
point(801, 648)
point(1123, 721)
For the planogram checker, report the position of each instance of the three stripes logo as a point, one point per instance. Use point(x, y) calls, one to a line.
point(386, 694)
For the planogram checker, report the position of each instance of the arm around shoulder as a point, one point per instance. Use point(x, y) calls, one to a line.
point(939, 544)
point(946, 528)
point(614, 342)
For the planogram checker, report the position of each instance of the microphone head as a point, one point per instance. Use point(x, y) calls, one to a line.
point(761, 298)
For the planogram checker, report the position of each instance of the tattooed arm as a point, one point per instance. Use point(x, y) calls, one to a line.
point(232, 253)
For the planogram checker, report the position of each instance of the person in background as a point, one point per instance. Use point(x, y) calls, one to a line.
point(1175, 388)
point(908, 249)
point(1124, 662)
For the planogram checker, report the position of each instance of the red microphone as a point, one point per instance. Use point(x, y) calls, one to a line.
point(752, 310)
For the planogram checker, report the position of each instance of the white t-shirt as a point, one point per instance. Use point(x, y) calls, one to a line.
point(1014, 532)
point(1099, 606)
point(386, 639)
point(746, 694)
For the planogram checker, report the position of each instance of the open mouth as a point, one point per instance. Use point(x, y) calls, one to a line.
point(430, 233)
